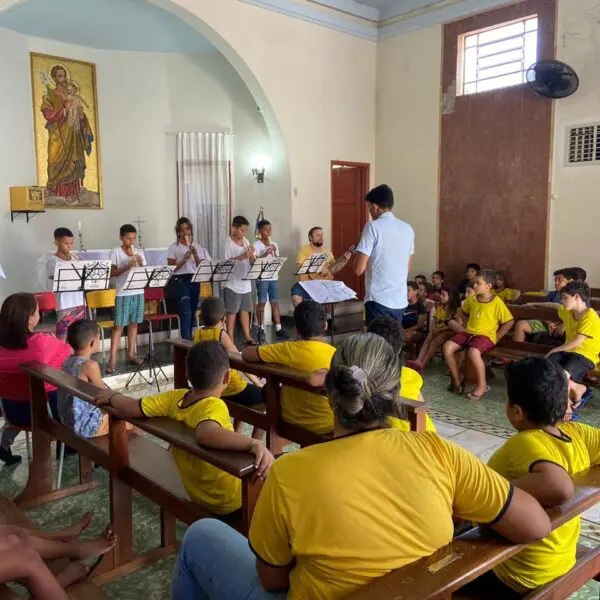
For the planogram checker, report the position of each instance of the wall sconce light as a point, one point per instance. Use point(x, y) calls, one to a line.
point(259, 174)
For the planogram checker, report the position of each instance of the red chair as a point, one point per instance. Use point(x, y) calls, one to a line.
point(46, 303)
point(158, 294)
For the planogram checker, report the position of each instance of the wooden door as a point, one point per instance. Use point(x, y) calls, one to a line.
point(349, 186)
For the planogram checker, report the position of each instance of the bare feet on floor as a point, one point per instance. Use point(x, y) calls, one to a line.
point(98, 546)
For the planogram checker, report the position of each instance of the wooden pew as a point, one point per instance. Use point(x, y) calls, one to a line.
point(276, 376)
point(441, 575)
point(81, 590)
point(531, 298)
point(134, 463)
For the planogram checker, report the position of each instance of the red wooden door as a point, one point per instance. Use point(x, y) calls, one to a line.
point(348, 215)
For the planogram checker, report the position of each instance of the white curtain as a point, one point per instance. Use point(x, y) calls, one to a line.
point(203, 182)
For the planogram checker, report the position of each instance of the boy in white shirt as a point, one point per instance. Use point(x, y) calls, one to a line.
point(129, 306)
point(237, 292)
point(70, 306)
point(268, 290)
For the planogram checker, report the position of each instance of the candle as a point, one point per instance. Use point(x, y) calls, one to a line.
point(79, 226)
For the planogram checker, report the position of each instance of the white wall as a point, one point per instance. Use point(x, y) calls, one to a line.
point(141, 96)
point(575, 203)
point(408, 130)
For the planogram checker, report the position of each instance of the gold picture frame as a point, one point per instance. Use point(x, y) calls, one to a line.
point(66, 129)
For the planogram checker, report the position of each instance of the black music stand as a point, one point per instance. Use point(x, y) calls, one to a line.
point(140, 278)
point(213, 271)
point(264, 269)
point(81, 275)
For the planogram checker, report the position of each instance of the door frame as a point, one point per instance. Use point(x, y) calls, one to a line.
point(364, 213)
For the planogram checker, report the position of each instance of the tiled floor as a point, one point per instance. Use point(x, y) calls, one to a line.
point(481, 428)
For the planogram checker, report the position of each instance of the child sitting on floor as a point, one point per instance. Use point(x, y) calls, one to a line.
point(414, 320)
point(446, 322)
point(503, 290)
point(308, 354)
point(540, 459)
point(487, 321)
point(202, 409)
point(579, 354)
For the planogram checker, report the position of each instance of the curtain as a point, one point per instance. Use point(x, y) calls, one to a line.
point(203, 182)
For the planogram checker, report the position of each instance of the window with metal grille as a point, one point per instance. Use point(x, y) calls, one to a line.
point(583, 144)
point(496, 57)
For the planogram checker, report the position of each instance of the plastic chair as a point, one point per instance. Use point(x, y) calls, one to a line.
point(158, 294)
point(46, 303)
point(101, 299)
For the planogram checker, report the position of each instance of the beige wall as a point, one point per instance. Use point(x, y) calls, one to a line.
point(575, 203)
point(408, 119)
point(407, 144)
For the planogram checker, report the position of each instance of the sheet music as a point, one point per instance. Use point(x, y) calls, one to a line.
point(264, 269)
point(312, 264)
point(213, 270)
point(79, 275)
point(2, 275)
point(139, 278)
point(328, 292)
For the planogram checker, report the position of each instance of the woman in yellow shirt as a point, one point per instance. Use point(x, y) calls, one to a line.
point(334, 516)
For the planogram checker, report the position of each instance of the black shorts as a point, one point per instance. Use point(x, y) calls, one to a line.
point(543, 337)
point(249, 396)
point(575, 364)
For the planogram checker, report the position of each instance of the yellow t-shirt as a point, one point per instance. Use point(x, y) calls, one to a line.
point(236, 383)
point(307, 251)
point(544, 561)
point(442, 316)
point(506, 295)
point(485, 317)
point(411, 384)
point(298, 406)
point(205, 484)
point(587, 325)
point(357, 507)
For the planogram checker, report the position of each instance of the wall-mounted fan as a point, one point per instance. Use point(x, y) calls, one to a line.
point(552, 79)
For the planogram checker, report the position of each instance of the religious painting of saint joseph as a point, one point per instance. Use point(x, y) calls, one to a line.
point(65, 113)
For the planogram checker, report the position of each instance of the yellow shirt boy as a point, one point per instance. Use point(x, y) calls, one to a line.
point(576, 450)
point(587, 325)
point(298, 406)
point(411, 384)
point(486, 317)
point(205, 484)
point(346, 514)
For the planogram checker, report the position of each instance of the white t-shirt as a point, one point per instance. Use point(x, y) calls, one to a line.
point(119, 259)
point(236, 283)
point(178, 251)
point(260, 249)
point(64, 300)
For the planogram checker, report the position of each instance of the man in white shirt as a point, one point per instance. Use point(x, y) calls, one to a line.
point(385, 252)
point(268, 291)
point(237, 292)
point(129, 306)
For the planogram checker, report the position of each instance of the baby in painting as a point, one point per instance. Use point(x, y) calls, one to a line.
point(74, 104)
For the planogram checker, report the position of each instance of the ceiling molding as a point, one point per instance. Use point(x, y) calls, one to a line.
point(318, 16)
point(357, 9)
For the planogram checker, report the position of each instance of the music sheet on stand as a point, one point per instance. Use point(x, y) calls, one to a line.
point(328, 292)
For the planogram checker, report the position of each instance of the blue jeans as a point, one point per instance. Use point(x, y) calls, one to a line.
point(182, 298)
point(267, 291)
point(374, 310)
point(215, 563)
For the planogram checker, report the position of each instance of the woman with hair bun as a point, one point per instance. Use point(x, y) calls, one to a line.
point(182, 294)
point(334, 516)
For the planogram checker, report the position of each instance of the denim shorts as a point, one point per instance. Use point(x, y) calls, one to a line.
point(298, 290)
point(267, 290)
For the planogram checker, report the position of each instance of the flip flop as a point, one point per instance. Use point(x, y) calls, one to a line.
point(110, 370)
point(136, 362)
point(584, 399)
point(477, 397)
point(459, 390)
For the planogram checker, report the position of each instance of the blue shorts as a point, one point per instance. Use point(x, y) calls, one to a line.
point(298, 290)
point(129, 309)
point(267, 290)
point(374, 310)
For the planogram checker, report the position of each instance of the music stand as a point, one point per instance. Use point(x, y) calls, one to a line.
point(264, 269)
point(140, 278)
point(213, 271)
point(81, 275)
point(329, 292)
point(312, 264)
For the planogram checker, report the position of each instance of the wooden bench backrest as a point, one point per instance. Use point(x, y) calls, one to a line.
point(471, 554)
point(531, 313)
